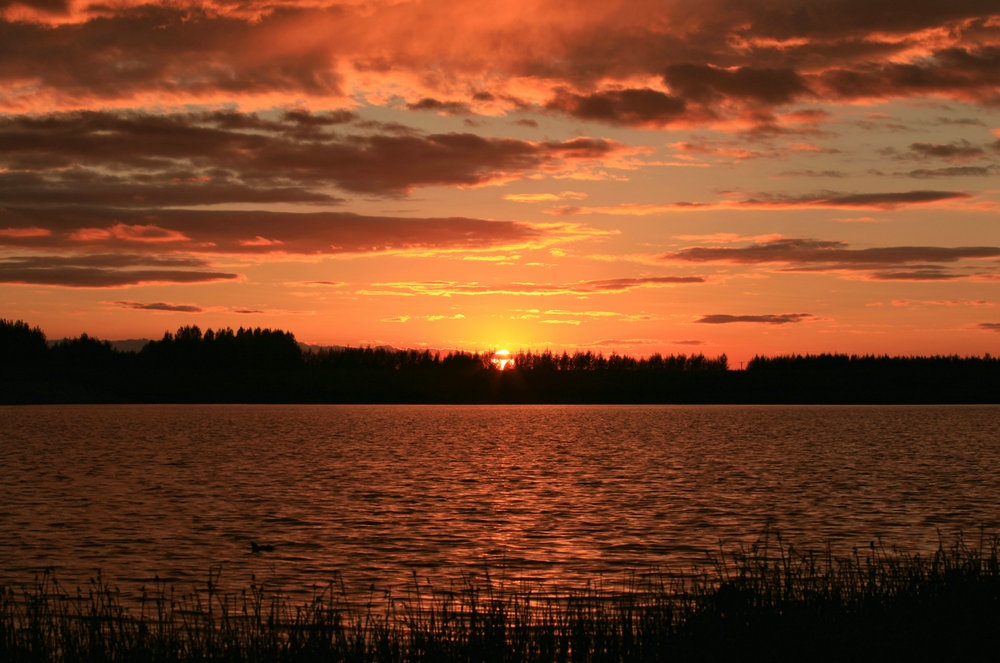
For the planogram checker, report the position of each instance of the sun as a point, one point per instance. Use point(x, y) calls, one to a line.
point(502, 359)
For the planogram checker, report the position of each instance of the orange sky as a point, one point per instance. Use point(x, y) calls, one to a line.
point(643, 176)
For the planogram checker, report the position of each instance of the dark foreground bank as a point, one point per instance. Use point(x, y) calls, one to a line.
point(269, 366)
point(762, 604)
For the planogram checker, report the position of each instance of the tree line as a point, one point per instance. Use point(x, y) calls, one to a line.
point(266, 365)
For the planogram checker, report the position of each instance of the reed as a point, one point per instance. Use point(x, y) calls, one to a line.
point(763, 602)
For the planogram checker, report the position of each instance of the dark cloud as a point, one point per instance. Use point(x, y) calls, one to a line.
point(631, 106)
point(952, 171)
point(246, 158)
point(891, 263)
point(990, 326)
point(959, 72)
point(769, 319)
point(854, 200)
point(88, 187)
point(124, 51)
point(322, 119)
point(159, 306)
point(961, 149)
point(706, 84)
point(611, 285)
point(813, 173)
point(220, 232)
point(446, 107)
point(834, 254)
point(105, 260)
point(926, 274)
point(720, 57)
point(97, 272)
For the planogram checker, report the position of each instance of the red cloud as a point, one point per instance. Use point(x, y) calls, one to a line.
point(718, 57)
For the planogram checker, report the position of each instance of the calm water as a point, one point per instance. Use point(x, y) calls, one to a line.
point(557, 493)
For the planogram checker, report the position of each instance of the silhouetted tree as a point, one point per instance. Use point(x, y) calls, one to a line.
point(21, 346)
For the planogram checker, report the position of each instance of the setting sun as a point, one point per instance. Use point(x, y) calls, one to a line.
point(502, 359)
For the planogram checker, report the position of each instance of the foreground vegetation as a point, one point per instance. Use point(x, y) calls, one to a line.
point(264, 365)
point(762, 603)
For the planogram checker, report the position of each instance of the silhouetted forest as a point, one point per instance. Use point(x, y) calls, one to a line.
point(269, 366)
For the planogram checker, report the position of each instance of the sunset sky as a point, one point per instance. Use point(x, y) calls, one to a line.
point(720, 176)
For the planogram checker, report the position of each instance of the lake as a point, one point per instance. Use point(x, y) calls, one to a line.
point(560, 495)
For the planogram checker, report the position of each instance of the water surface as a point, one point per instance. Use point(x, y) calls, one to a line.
point(562, 494)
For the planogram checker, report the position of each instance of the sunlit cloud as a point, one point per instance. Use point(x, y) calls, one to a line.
point(878, 201)
point(425, 318)
point(544, 197)
point(448, 288)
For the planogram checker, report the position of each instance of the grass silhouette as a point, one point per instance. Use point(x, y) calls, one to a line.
point(762, 602)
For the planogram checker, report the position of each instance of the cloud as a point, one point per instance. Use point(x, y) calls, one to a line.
point(544, 197)
point(600, 315)
point(185, 159)
point(611, 285)
point(967, 73)
point(715, 61)
point(258, 232)
point(956, 151)
point(890, 263)
point(829, 200)
point(990, 326)
point(620, 342)
point(951, 171)
point(444, 107)
point(941, 302)
point(925, 274)
point(427, 318)
point(886, 201)
point(708, 84)
point(770, 319)
point(448, 288)
point(629, 106)
point(811, 251)
point(105, 271)
point(86, 187)
point(159, 306)
point(315, 284)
